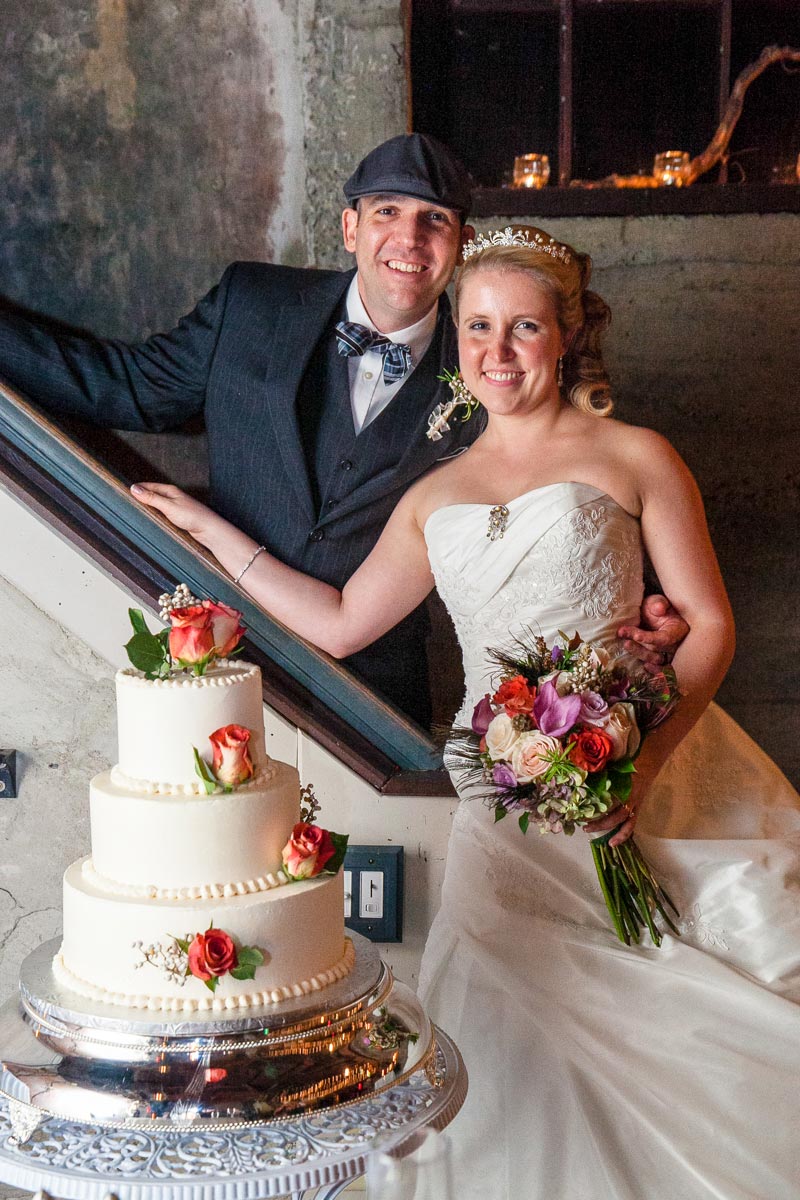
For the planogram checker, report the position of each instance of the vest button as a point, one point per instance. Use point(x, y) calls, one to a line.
point(316, 535)
point(332, 504)
point(346, 465)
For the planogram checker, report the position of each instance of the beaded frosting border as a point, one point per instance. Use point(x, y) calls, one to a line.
point(203, 891)
point(214, 677)
point(210, 1003)
point(195, 788)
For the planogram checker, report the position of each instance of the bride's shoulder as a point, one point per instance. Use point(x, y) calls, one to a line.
point(636, 444)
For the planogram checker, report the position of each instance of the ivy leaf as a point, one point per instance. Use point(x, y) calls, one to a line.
point(211, 983)
point(146, 652)
point(500, 811)
point(243, 972)
point(340, 841)
point(202, 769)
point(525, 821)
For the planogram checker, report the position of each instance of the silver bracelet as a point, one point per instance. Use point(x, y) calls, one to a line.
point(249, 562)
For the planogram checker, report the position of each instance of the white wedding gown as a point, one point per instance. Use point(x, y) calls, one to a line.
point(598, 1071)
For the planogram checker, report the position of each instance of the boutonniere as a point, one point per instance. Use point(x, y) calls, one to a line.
point(438, 421)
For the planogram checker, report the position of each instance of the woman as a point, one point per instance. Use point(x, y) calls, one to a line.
point(598, 1070)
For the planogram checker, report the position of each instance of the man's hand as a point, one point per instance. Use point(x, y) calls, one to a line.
point(663, 629)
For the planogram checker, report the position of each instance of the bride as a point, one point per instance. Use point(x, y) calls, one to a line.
point(598, 1071)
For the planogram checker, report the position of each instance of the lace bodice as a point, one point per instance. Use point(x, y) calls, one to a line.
point(570, 558)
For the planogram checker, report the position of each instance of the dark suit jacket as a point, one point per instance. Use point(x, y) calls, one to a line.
point(240, 357)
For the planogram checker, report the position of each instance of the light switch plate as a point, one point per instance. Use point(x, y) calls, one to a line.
point(376, 892)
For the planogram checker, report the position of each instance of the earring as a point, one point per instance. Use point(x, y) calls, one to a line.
point(561, 372)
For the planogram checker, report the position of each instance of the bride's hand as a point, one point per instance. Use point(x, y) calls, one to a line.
point(662, 631)
point(623, 815)
point(182, 510)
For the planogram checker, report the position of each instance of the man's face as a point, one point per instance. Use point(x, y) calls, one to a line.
point(406, 251)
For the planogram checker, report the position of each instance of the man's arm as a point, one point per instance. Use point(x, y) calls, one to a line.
point(152, 385)
point(662, 631)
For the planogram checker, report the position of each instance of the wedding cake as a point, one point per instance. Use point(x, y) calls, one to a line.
point(204, 890)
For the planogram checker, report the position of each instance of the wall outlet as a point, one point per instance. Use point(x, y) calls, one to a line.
point(373, 879)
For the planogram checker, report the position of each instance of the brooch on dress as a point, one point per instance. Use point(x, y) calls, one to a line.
point(498, 521)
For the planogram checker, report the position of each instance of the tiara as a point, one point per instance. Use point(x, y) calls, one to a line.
point(506, 237)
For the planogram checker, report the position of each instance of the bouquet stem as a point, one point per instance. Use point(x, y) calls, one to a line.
point(632, 893)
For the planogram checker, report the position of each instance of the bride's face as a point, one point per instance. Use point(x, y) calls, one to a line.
point(509, 341)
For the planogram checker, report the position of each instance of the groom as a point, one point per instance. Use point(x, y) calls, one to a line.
point(315, 385)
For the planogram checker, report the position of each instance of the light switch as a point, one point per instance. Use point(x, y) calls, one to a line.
point(371, 895)
point(348, 894)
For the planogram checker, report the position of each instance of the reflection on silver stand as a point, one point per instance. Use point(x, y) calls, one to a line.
point(96, 1100)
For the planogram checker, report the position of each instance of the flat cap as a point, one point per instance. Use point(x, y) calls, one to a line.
point(413, 164)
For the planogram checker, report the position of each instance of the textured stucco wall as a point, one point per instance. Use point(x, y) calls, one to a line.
point(143, 146)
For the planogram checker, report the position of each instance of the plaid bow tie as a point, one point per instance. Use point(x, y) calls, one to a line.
point(352, 338)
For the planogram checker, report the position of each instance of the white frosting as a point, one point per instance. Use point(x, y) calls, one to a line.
point(177, 842)
point(161, 720)
point(208, 891)
point(298, 928)
point(209, 1003)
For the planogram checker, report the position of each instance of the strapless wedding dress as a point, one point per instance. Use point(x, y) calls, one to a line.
point(598, 1071)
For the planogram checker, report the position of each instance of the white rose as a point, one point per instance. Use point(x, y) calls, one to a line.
point(501, 736)
point(621, 727)
point(527, 762)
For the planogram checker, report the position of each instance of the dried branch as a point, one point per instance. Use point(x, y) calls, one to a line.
point(717, 147)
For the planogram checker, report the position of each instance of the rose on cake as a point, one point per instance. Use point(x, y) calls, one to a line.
point(311, 850)
point(201, 631)
point(231, 765)
point(212, 954)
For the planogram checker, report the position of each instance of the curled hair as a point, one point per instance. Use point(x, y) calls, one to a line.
point(582, 315)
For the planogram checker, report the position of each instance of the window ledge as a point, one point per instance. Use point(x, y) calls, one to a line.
point(637, 202)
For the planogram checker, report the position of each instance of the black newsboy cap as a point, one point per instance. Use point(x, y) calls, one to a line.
point(413, 164)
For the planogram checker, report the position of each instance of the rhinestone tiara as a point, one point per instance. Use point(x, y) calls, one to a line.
point(506, 237)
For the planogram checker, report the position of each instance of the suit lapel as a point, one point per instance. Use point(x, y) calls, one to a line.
point(300, 323)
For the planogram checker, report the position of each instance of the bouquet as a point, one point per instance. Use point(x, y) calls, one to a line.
point(556, 745)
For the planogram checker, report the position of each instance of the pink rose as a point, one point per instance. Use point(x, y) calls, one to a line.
point(307, 851)
point(212, 954)
point(527, 759)
point(191, 638)
point(226, 627)
point(232, 763)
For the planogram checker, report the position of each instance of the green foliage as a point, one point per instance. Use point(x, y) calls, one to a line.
point(147, 651)
point(206, 774)
point(340, 841)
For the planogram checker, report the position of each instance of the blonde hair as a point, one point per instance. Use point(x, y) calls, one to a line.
point(582, 315)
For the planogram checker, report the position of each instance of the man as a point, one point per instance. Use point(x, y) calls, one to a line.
point(315, 385)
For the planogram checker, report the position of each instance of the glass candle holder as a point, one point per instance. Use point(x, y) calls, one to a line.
point(671, 168)
point(531, 170)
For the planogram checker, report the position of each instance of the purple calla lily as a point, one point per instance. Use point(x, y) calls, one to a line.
point(503, 776)
point(482, 716)
point(555, 714)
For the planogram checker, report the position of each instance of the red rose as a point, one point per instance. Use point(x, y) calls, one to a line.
point(226, 627)
point(211, 954)
point(307, 851)
point(591, 749)
point(232, 763)
point(516, 695)
point(191, 638)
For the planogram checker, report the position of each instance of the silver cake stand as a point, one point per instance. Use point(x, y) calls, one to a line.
point(273, 1103)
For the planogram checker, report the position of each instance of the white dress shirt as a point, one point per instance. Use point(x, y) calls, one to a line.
point(369, 395)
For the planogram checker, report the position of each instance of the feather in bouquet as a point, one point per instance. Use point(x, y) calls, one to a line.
point(556, 745)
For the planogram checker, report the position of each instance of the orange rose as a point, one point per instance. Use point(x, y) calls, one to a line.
point(191, 638)
point(232, 763)
point(307, 851)
point(516, 695)
point(226, 627)
point(591, 749)
point(211, 954)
